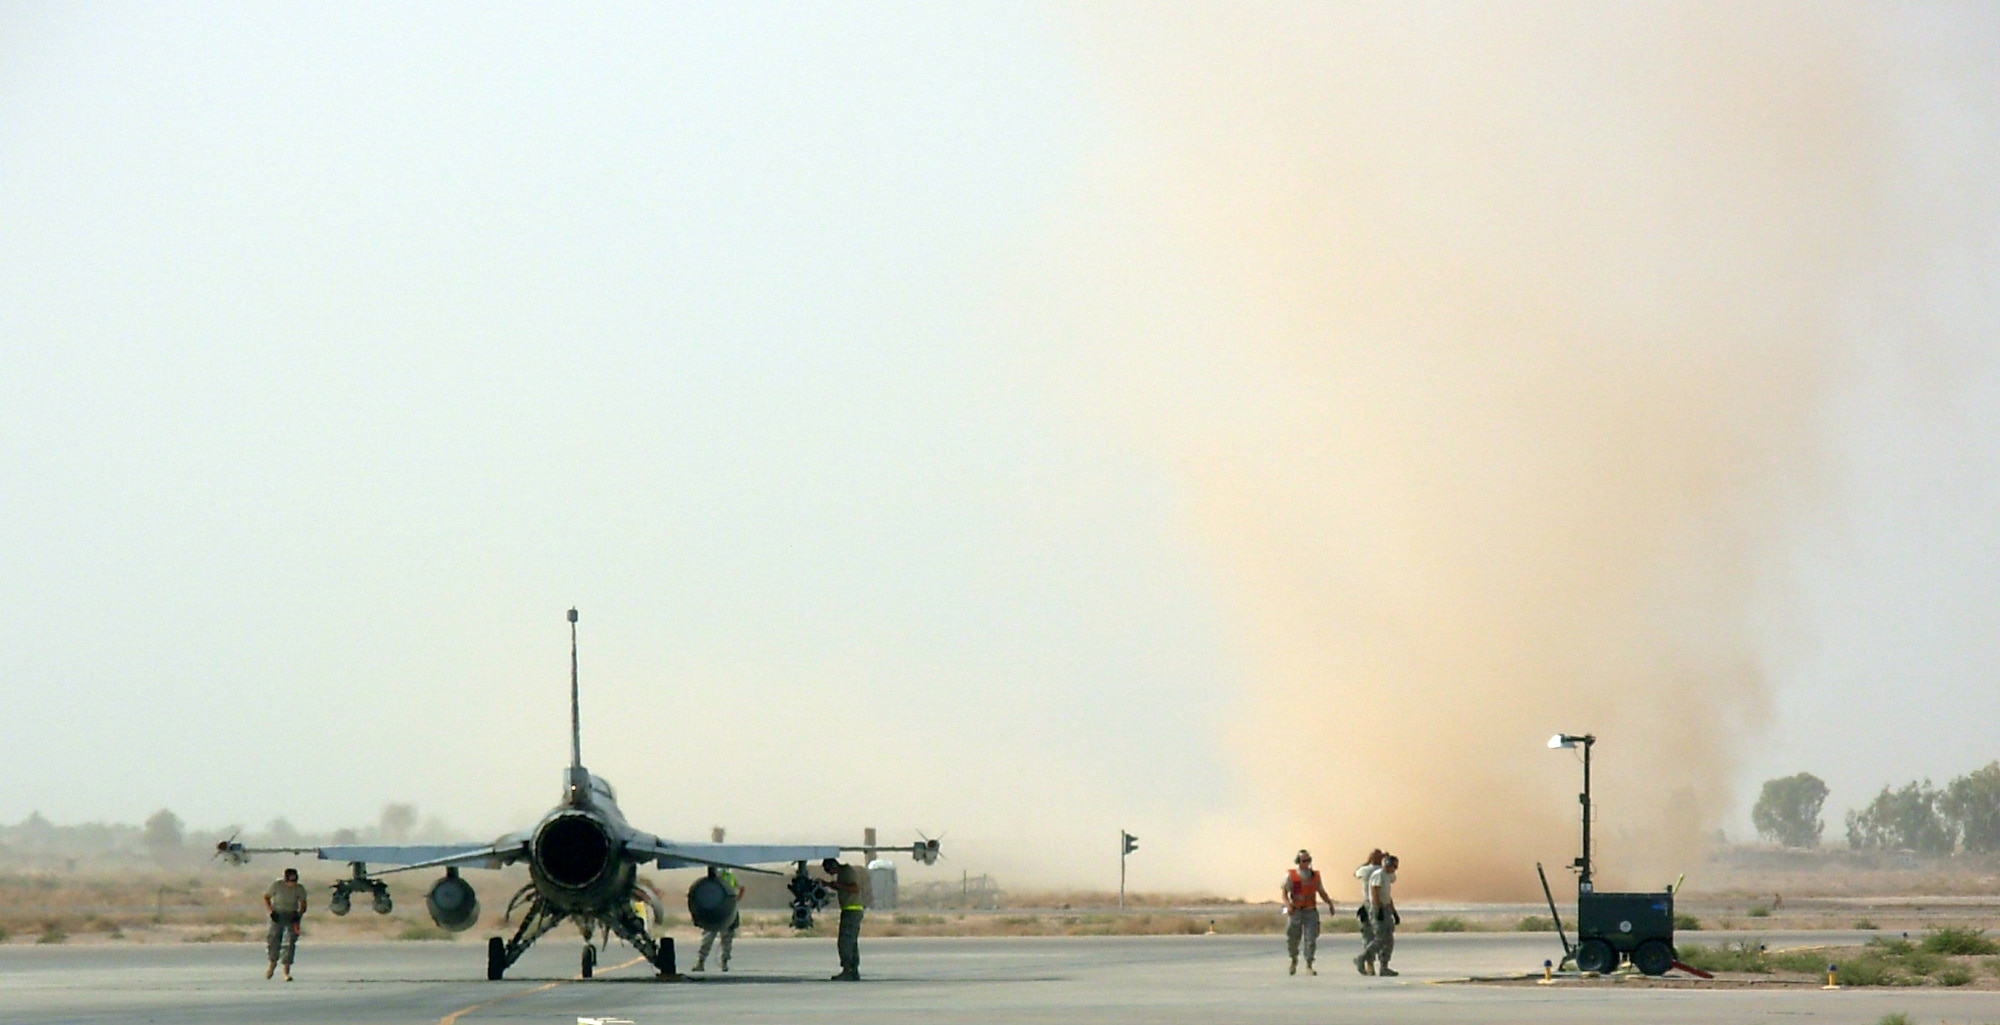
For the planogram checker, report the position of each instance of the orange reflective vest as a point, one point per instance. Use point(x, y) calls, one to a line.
point(1303, 889)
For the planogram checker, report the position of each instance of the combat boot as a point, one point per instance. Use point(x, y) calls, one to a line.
point(1294, 969)
point(1386, 970)
point(1363, 965)
point(1310, 970)
point(288, 973)
point(700, 964)
point(271, 969)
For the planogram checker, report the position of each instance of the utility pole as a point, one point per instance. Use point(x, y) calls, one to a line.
point(1127, 843)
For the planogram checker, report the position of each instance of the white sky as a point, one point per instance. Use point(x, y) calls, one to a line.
point(342, 349)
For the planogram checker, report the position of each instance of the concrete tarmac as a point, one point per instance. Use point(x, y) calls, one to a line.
point(936, 981)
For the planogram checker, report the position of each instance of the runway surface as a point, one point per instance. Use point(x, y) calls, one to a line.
point(1108, 980)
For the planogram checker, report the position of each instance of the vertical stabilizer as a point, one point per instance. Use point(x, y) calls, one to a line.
point(575, 714)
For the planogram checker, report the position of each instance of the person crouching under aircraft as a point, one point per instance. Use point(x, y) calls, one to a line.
point(285, 899)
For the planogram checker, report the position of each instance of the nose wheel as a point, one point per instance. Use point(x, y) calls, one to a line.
point(589, 959)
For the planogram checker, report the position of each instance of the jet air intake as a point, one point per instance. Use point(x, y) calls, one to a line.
point(572, 851)
point(452, 903)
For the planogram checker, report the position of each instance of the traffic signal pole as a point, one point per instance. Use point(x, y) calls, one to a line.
point(1127, 843)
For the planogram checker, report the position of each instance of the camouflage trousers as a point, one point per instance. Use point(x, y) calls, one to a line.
point(849, 943)
point(728, 934)
point(281, 941)
point(1302, 932)
point(1382, 942)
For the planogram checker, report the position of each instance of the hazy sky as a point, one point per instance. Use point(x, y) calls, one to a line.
point(342, 349)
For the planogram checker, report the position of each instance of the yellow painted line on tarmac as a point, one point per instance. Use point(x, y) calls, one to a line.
point(452, 1018)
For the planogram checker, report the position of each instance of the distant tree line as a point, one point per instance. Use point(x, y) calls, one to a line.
point(165, 839)
point(1963, 815)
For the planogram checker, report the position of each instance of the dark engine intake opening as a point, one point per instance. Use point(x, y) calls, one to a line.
point(573, 851)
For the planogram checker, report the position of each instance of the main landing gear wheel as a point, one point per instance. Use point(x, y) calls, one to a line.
point(1653, 957)
point(589, 959)
point(1595, 956)
point(496, 959)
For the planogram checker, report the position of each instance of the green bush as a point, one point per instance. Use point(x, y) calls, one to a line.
point(1891, 945)
point(1899, 1018)
point(1686, 923)
point(1866, 971)
point(1760, 911)
point(1949, 940)
point(423, 932)
point(1535, 923)
point(53, 932)
point(1953, 975)
point(1735, 956)
point(1863, 923)
point(1809, 961)
point(1918, 962)
point(1446, 924)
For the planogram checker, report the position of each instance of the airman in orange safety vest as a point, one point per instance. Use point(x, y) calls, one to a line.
point(1304, 889)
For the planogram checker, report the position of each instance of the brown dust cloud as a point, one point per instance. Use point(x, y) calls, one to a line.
point(1487, 345)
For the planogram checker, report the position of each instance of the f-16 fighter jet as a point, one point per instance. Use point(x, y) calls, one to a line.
point(583, 861)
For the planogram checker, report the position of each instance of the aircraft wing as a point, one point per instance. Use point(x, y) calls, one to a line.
point(397, 854)
point(740, 856)
point(409, 857)
point(406, 856)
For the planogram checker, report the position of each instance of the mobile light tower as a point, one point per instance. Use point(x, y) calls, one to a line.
point(1582, 863)
point(1612, 927)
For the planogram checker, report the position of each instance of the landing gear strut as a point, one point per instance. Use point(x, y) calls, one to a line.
point(632, 929)
point(541, 917)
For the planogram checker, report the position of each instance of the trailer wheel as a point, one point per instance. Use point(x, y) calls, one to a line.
point(1653, 957)
point(1595, 956)
point(496, 958)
